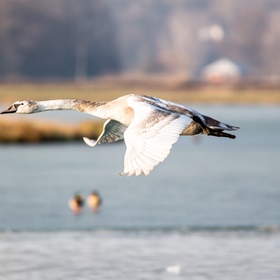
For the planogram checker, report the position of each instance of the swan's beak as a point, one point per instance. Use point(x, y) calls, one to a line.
point(10, 110)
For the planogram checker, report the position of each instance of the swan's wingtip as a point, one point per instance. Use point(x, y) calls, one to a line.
point(135, 173)
point(128, 174)
point(89, 142)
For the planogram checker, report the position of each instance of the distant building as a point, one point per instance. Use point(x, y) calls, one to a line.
point(220, 71)
point(212, 32)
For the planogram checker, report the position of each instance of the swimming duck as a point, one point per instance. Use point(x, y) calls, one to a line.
point(76, 203)
point(94, 201)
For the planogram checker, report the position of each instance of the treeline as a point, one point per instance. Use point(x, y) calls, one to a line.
point(56, 38)
point(85, 38)
point(183, 36)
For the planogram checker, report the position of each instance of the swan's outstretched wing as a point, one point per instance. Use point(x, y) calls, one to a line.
point(150, 136)
point(112, 131)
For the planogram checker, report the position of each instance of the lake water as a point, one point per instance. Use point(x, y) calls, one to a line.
point(211, 209)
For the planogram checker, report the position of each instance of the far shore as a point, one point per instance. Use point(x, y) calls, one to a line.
point(15, 131)
point(173, 89)
point(30, 131)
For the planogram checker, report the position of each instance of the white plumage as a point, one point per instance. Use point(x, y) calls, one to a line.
point(148, 125)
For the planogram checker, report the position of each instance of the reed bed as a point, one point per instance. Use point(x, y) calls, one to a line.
point(30, 131)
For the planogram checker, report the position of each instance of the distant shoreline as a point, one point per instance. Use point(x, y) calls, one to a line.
point(177, 90)
point(37, 131)
point(15, 130)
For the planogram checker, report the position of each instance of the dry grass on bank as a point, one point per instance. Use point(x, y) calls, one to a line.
point(19, 131)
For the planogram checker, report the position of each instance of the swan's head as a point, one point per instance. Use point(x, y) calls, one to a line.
point(22, 107)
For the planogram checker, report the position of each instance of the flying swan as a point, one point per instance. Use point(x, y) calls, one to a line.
point(148, 125)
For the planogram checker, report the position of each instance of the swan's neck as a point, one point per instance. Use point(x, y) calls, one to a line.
point(51, 105)
point(90, 107)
